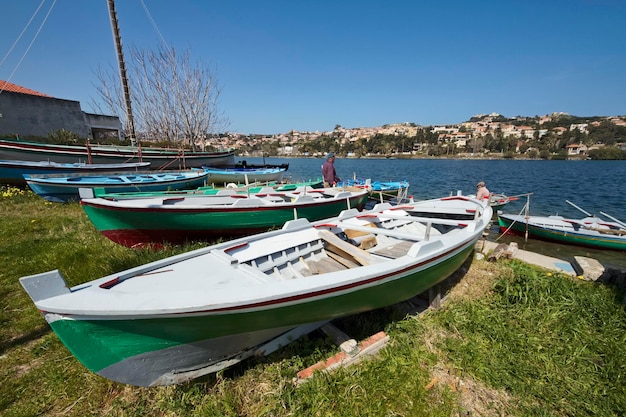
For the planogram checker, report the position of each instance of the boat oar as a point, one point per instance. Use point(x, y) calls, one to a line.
point(575, 206)
point(614, 219)
point(516, 197)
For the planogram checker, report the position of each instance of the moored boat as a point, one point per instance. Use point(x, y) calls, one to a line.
point(247, 175)
point(289, 186)
point(380, 190)
point(196, 313)
point(160, 158)
point(12, 172)
point(227, 213)
point(62, 188)
point(589, 231)
point(498, 201)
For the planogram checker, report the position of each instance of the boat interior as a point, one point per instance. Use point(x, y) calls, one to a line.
point(359, 241)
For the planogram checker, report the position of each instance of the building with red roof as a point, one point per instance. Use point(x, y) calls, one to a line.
point(29, 113)
point(14, 88)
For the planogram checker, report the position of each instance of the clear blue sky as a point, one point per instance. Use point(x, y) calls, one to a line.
point(309, 65)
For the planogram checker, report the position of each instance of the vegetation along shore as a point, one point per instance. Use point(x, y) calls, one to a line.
point(509, 339)
point(484, 136)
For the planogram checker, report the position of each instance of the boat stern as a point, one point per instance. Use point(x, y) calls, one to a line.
point(45, 285)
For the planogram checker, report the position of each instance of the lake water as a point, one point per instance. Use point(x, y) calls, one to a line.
point(594, 186)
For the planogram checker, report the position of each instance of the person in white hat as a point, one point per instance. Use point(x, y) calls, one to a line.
point(482, 191)
point(328, 171)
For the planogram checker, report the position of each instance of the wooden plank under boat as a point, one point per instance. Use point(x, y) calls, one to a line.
point(198, 312)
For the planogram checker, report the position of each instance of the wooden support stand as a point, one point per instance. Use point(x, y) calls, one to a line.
point(351, 351)
point(434, 296)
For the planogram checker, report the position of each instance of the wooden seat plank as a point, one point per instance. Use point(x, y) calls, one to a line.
point(361, 256)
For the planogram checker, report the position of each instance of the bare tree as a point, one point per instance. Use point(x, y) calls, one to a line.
point(173, 99)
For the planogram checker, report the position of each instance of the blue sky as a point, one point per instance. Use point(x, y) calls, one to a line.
point(309, 66)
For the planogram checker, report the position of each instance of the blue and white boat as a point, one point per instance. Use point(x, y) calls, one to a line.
point(12, 171)
point(65, 188)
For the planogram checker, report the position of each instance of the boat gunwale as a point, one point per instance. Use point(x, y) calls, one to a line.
point(101, 204)
point(404, 266)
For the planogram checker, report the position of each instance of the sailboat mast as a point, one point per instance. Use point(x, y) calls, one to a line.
point(120, 59)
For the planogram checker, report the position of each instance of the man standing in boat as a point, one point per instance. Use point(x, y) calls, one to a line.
point(328, 171)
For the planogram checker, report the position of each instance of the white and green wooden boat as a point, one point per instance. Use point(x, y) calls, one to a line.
point(253, 188)
point(195, 313)
point(145, 221)
point(591, 232)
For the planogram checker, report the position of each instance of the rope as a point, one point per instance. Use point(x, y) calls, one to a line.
point(31, 43)
point(514, 221)
point(22, 33)
point(154, 25)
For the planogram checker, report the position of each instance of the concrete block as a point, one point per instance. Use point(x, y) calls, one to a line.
point(591, 269)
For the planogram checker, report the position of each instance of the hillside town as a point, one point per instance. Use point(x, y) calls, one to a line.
point(553, 136)
point(32, 115)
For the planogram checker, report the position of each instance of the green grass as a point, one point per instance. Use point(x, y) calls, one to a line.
point(547, 340)
point(509, 340)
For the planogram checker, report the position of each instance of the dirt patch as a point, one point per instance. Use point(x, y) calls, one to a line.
point(474, 397)
point(476, 281)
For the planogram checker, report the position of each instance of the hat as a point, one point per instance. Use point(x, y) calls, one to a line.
point(330, 155)
point(480, 184)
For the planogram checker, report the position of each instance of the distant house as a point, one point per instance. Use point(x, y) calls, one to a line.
point(27, 112)
point(582, 127)
point(617, 121)
point(576, 149)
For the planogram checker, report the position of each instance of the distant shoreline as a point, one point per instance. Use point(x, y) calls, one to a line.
point(457, 157)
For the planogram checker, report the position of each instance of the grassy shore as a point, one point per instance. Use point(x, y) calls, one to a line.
point(510, 339)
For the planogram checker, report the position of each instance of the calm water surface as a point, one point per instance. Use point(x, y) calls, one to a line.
point(593, 186)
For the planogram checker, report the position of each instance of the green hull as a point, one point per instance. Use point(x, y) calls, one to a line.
point(114, 348)
point(570, 238)
point(132, 227)
point(208, 190)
